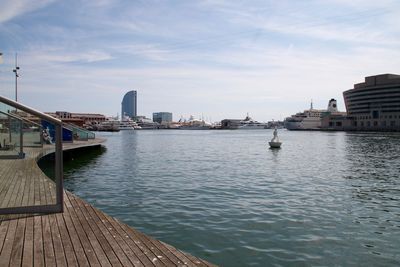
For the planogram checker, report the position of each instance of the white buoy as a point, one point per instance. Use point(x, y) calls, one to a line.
point(275, 143)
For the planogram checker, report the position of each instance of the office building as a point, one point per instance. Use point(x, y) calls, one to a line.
point(162, 117)
point(129, 104)
point(374, 105)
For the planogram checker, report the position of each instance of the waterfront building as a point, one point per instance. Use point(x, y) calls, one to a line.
point(374, 105)
point(129, 104)
point(162, 117)
point(338, 121)
point(79, 119)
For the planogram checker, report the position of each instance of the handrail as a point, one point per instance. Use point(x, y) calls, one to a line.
point(59, 206)
point(11, 115)
point(20, 118)
point(30, 110)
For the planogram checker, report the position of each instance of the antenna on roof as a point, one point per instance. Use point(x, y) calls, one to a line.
point(311, 104)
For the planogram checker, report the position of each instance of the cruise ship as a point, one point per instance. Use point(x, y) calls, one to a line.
point(309, 119)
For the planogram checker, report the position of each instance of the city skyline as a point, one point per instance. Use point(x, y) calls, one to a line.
point(219, 59)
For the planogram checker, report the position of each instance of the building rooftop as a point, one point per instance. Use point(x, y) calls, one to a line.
point(381, 79)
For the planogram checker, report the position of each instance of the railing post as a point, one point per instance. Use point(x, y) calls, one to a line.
point(59, 167)
point(21, 139)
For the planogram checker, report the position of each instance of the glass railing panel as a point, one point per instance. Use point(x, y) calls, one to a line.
point(80, 133)
point(31, 129)
point(10, 137)
point(91, 135)
point(32, 134)
point(24, 188)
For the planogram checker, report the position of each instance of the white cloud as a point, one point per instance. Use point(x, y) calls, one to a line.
point(11, 9)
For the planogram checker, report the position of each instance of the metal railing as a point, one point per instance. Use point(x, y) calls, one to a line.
point(58, 206)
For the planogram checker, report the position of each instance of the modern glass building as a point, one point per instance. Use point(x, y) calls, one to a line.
point(375, 103)
point(129, 104)
point(162, 117)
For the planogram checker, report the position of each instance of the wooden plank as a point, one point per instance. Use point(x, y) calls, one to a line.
point(18, 244)
point(56, 237)
point(90, 251)
point(153, 256)
point(59, 251)
point(3, 233)
point(138, 236)
point(8, 244)
point(110, 222)
point(19, 194)
point(166, 251)
point(95, 236)
point(42, 193)
point(67, 243)
point(38, 249)
point(9, 188)
point(116, 242)
point(37, 196)
point(68, 229)
point(8, 172)
point(64, 251)
point(49, 257)
point(27, 259)
point(183, 257)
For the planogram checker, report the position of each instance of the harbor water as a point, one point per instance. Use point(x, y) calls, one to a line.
point(324, 198)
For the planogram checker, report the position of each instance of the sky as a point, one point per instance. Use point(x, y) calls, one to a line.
point(215, 59)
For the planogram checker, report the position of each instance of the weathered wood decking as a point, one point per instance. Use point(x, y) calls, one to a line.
point(80, 236)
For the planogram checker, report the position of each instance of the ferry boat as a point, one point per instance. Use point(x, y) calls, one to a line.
point(309, 119)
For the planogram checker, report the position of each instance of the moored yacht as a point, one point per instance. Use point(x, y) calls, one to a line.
point(128, 124)
point(195, 124)
point(250, 124)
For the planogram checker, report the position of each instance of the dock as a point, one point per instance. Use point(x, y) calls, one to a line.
point(79, 236)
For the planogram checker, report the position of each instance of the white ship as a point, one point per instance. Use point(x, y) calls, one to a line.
point(310, 119)
point(194, 124)
point(250, 124)
point(128, 124)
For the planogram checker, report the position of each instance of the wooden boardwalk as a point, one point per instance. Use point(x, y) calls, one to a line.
point(80, 236)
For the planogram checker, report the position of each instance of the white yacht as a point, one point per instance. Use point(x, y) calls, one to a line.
point(250, 124)
point(128, 124)
point(195, 124)
point(109, 125)
point(310, 119)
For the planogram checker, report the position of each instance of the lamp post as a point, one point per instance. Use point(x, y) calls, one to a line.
point(16, 78)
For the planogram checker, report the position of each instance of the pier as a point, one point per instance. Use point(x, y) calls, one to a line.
point(81, 235)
